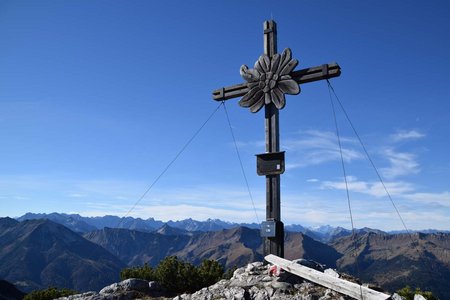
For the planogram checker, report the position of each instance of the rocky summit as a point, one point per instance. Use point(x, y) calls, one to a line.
point(252, 282)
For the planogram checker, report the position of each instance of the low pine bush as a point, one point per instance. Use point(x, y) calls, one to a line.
point(409, 293)
point(178, 276)
point(49, 294)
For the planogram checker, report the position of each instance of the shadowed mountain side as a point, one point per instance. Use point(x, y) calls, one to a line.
point(7, 223)
point(231, 247)
point(394, 261)
point(9, 292)
point(236, 246)
point(136, 247)
point(298, 245)
point(207, 225)
point(40, 253)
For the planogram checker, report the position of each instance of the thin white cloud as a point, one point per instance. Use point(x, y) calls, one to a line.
point(404, 135)
point(312, 180)
point(401, 164)
point(399, 189)
point(77, 195)
point(315, 147)
point(442, 199)
point(355, 186)
point(394, 188)
point(375, 189)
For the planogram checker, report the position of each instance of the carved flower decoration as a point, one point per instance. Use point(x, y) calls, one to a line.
point(269, 81)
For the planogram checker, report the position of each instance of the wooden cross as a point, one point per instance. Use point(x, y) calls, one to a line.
point(272, 77)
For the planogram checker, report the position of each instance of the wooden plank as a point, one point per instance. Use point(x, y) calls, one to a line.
point(339, 285)
point(230, 92)
point(316, 73)
point(300, 76)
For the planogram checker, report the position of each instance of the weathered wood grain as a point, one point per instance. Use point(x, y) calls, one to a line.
point(301, 76)
point(339, 285)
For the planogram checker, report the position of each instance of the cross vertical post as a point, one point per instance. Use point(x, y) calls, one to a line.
point(272, 245)
point(266, 85)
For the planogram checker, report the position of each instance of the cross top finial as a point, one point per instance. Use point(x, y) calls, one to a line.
point(270, 79)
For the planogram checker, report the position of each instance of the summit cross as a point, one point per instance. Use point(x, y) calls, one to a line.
point(266, 85)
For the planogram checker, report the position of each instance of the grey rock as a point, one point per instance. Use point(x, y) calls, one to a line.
point(248, 283)
point(284, 286)
point(87, 295)
point(253, 266)
point(396, 296)
point(95, 296)
point(270, 291)
point(238, 272)
point(419, 297)
point(331, 272)
point(154, 286)
point(131, 284)
point(240, 295)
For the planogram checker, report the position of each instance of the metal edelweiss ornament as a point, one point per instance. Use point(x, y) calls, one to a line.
point(269, 81)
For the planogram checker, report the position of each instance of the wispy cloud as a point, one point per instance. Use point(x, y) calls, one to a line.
point(375, 189)
point(399, 189)
point(401, 164)
point(404, 135)
point(442, 199)
point(315, 147)
point(312, 180)
point(76, 195)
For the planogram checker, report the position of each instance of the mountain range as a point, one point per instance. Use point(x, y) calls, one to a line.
point(397, 260)
point(77, 223)
point(37, 253)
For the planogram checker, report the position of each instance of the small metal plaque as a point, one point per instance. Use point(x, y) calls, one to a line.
point(270, 163)
point(268, 229)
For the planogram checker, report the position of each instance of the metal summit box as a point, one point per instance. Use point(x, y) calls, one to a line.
point(268, 228)
point(270, 163)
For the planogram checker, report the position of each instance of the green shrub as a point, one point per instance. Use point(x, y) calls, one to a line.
point(178, 276)
point(146, 272)
point(229, 273)
point(49, 294)
point(408, 293)
point(210, 271)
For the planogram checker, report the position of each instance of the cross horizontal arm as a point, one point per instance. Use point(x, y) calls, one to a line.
point(316, 73)
point(301, 76)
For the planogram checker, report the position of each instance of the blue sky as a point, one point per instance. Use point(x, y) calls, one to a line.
point(97, 97)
